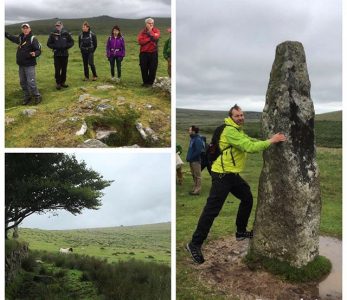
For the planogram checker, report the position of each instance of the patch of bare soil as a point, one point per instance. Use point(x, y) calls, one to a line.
point(225, 272)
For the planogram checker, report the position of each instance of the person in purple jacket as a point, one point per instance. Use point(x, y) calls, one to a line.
point(115, 51)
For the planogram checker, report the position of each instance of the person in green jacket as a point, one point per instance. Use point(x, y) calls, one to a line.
point(226, 178)
point(167, 53)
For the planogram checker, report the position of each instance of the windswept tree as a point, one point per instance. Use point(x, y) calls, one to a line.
point(45, 182)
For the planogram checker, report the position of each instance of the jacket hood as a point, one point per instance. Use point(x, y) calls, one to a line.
point(230, 121)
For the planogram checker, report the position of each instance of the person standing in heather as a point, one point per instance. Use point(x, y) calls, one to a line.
point(115, 52)
point(148, 39)
point(88, 43)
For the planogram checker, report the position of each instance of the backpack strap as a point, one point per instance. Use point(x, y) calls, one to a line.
point(228, 147)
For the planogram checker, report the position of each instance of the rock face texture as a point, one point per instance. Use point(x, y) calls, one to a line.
point(289, 205)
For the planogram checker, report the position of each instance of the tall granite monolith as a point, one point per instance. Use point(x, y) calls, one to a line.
point(288, 212)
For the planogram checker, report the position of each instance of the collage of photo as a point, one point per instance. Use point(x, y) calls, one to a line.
point(158, 149)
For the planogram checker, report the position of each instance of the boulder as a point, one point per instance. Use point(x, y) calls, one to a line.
point(105, 135)
point(29, 112)
point(83, 129)
point(162, 83)
point(93, 143)
point(288, 212)
point(105, 87)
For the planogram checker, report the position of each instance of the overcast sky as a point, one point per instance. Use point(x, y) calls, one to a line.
point(225, 50)
point(140, 193)
point(23, 11)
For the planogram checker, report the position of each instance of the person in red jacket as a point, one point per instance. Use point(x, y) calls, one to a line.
point(148, 39)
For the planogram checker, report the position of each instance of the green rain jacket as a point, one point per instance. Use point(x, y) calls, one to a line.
point(241, 144)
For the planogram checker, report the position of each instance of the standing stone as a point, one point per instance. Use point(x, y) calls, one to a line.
point(289, 205)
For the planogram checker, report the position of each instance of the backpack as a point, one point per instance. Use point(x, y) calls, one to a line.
point(91, 46)
point(213, 151)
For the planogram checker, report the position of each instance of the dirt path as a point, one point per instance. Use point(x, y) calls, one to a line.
point(225, 273)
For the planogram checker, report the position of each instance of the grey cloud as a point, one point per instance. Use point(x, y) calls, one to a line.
point(225, 49)
point(18, 11)
point(140, 193)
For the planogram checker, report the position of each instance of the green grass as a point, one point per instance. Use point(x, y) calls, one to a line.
point(188, 209)
point(150, 243)
point(44, 128)
point(313, 271)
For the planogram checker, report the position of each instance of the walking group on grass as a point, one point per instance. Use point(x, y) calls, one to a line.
point(60, 41)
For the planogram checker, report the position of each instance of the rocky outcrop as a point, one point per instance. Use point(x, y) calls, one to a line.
point(288, 212)
point(163, 83)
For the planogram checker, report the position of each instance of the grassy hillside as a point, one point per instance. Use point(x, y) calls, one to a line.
point(328, 128)
point(335, 116)
point(61, 114)
point(149, 243)
point(99, 25)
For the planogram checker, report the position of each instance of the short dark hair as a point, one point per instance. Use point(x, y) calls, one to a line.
point(236, 107)
point(195, 129)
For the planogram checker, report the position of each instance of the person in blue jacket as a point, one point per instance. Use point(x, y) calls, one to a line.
point(196, 146)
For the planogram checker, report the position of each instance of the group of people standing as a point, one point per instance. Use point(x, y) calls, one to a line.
point(60, 41)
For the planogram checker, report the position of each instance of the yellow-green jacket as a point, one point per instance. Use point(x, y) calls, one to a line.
point(241, 144)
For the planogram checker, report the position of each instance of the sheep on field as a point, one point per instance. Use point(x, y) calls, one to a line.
point(66, 250)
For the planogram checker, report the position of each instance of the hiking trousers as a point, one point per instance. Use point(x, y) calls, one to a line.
point(195, 169)
point(88, 59)
point(27, 81)
point(115, 60)
point(222, 185)
point(148, 65)
point(60, 66)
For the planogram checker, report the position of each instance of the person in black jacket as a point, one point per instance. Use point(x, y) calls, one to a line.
point(60, 41)
point(28, 49)
point(88, 43)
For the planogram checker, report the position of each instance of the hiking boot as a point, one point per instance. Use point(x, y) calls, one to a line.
point(194, 193)
point(94, 78)
point(118, 80)
point(64, 85)
point(26, 101)
point(38, 99)
point(195, 253)
point(85, 79)
point(113, 79)
point(240, 236)
point(58, 86)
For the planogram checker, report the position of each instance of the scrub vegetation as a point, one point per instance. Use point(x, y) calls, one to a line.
point(107, 263)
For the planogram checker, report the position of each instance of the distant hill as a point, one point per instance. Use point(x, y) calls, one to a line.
point(328, 126)
point(99, 25)
point(330, 116)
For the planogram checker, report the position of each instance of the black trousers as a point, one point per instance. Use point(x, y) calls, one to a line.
point(118, 61)
point(149, 65)
point(60, 66)
point(222, 185)
point(88, 59)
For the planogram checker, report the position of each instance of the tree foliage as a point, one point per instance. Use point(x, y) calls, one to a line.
point(44, 182)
